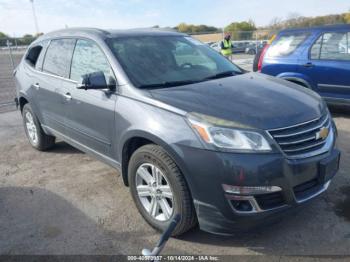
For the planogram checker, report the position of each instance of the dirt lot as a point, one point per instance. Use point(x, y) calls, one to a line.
point(64, 202)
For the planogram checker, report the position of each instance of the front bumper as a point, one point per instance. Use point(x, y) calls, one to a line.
point(206, 172)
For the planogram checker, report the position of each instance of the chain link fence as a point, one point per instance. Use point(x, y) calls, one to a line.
point(11, 52)
point(248, 39)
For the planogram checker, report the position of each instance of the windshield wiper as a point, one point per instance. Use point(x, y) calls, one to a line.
point(187, 82)
point(169, 84)
point(223, 74)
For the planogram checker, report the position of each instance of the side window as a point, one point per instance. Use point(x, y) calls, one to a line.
point(286, 44)
point(33, 54)
point(58, 57)
point(332, 46)
point(39, 62)
point(88, 58)
point(335, 46)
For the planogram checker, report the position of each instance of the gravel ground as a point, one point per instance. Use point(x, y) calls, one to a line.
point(64, 202)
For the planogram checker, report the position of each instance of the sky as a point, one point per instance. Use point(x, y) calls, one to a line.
point(16, 16)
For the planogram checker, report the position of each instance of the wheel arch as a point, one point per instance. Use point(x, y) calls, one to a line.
point(22, 100)
point(298, 81)
point(297, 78)
point(137, 138)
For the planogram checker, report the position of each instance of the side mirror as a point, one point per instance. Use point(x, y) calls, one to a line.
point(95, 80)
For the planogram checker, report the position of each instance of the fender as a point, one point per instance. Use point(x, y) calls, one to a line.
point(22, 94)
point(32, 104)
point(170, 149)
point(297, 77)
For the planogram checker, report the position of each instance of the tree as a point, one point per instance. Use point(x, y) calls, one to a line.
point(3, 35)
point(241, 30)
point(294, 20)
point(347, 17)
point(275, 23)
point(195, 29)
point(26, 39)
point(3, 39)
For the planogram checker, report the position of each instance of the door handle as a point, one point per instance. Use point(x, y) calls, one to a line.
point(36, 86)
point(309, 64)
point(67, 96)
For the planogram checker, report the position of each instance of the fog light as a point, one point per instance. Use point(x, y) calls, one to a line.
point(242, 205)
point(250, 190)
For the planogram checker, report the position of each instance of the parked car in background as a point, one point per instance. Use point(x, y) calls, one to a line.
point(189, 132)
point(238, 47)
point(317, 58)
point(254, 48)
point(216, 46)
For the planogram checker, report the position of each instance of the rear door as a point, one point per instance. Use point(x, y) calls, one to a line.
point(90, 113)
point(328, 64)
point(32, 67)
point(55, 69)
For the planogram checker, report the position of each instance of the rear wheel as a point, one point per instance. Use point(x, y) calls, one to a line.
point(35, 134)
point(251, 52)
point(159, 190)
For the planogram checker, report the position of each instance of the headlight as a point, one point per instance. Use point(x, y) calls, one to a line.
point(230, 138)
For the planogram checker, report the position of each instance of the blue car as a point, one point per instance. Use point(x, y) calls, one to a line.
point(317, 58)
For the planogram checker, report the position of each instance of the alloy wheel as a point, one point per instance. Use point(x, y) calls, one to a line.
point(31, 128)
point(154, 192)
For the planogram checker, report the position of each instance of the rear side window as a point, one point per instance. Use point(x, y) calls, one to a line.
point(40, 60)
point(332, 46)
point(88, 58)
point(58, 57)
point(33, 54)
point(286, 44)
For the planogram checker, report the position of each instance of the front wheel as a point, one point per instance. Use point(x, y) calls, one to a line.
point(159, 189)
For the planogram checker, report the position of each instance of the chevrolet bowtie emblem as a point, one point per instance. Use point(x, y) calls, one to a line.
point(323, 133)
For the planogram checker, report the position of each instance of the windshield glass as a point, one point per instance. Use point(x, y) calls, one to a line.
point(163, 61)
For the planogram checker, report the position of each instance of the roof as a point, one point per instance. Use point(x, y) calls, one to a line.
point(329, 27)
point(96, 32)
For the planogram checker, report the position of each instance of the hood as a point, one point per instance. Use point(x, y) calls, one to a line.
point(254, 100)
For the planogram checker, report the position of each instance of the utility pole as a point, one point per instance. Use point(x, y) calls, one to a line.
point(34, 16)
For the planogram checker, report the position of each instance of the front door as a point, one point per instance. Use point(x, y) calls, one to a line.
point(89, 113)
point(328, 65)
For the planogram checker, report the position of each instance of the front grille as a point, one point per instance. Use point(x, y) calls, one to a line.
point(302, 138)
point(307, 189)
point(270, 201)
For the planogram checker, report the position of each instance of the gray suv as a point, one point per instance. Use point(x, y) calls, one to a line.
point(190, 132)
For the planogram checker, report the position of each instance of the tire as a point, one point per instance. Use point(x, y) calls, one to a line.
point(251, 52)
point(34, 132)
point(153, 158)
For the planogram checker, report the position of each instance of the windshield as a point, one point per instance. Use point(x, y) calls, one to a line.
point(164, 61)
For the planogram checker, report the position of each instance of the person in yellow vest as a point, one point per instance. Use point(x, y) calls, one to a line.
point(226, 47)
